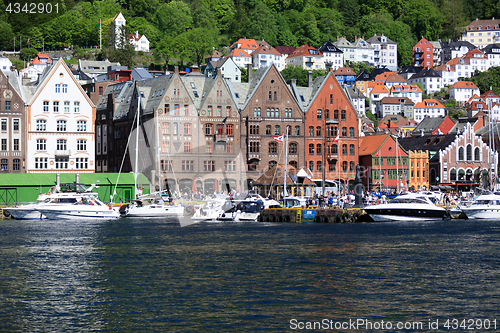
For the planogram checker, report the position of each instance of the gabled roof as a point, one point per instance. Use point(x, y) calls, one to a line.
point(328, 46)
point(474, 54)
point(343, 42)
point(266, 50)
point(425, 73)
point(306, 50)
point(474, 98)
point(285, 49)
point(239, 53)
point(464, 85)
point(379, 89)
point(355, 93)
point(38, 57)
point(363, 76)
point(432, 143)
point(477, 105)
point(428, 125)
point(426, 104)
point(395, 78)
point(396, 100)
point(491, 48)
point(360, 43)
point(405, 88)
point(396, 121)
point(344, 71)
point(245, 43)
point(484, 24)
point(384, 76)
point(369, 145)
point(378, 40)
point(489, 94)
point(410, 70)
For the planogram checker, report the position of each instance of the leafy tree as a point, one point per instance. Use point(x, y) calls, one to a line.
point(454, 19)
point(261, 23)
point(7, 36)
point(141, 25)
point(485, 80)
point(174, 18)
point(423, 18)
point(200, 41)
point(165, 49)
point(285, 35)
point(301, 74)
point(350, 11)
point(28, 53)
point(358, 67)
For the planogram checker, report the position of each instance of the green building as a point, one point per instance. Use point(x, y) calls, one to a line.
point(25, 187)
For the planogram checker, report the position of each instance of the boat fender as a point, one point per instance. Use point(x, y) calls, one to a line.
point(190, 209)
point(346, 218)
point(287, 218)
point(338, 219)
point(280, 218)
point(261, 218)
point(317, 219)
point(326, 219)
point(273, 218)
point(6, 213)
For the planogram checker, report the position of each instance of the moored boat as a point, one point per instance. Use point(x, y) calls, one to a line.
point(486, 206)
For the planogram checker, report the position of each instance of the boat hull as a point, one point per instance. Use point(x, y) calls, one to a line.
point(25, 213)
point(480, 212)
point(69, 214)
point(155, 211)
point(406, 214)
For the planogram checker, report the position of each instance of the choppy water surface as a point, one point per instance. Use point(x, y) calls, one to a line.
point(132, 275)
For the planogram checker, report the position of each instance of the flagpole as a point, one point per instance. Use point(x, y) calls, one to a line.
point(100, 34)
point(285, 146)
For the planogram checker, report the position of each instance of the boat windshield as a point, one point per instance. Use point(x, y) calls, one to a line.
point(249, 207)
point(409, 200)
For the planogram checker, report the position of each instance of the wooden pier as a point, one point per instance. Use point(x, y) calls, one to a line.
point(314, 215)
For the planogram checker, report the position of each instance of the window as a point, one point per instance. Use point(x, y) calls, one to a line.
point(272, 164)
point(351, 132)
point(254, 147)
point(219, 111)
point(477, 154)
point(81, 163)
point(77, 107)
point(58, 88)
point(81, 144)
point(65, 88)
point(81, 126)
point(344, 149)
point(45, 106)
point(254, 129)
point(210, 111)
point(16, 145)
point(318, 166)
point(318, 149)
point(469, 152)
point(62, 162)
point(66, 107)
point(187, 147)
point(344, 131)
point(187, 129)
point(268, 129)
point(101, 90)
point(311, 149)
point(176, 129)
point(229, 166)
point(344, 166)
point(16, 165)
point(167, 109)
point(4, 144)
point(292, 148)
point(273, 148)
point(56, 106)
point(41, 162)
point(41, 125)
point(335, 149)
point(209, 129)
point(7, 105)
point(208, 165)
point(327, 114)
point(219, 129)
point(208, 147)
point(311, 131)
point(187, 165)
point(4, 124)
point(61, 125)
point(229, 129)
point(186, 110)
point(351, 150)
point(288, 113)
point(270, 95)
point(256, 112)
point(336, 115)
point(61, 144)
point(311, 166)
point(461, 153)
point(318, 114)
point(342, 116)
point(176, 110)
point(166, 165)
point(297, 130)
point(276, 129)
point(228, 111)
point(4, 164)
point(318, 131)
point(166, 128)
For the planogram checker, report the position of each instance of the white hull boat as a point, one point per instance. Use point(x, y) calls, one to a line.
point(153, 210)
point(25, 212)
point(486, 206)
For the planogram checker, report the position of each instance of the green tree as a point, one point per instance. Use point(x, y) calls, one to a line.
point(7, 36)
point(200, 41)
point(424, 19)
point(487, 79)
point(174, 18)
point(261, 24)
point(358, 67)
point(301, 74)
point(454, 19)
point(285, 35)
point(165, 49)
point(28, 53)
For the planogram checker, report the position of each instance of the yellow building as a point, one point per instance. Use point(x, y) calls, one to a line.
point(418, 165)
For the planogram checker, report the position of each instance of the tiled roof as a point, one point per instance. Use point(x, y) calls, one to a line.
point(266, 50)
point(484, 24)
point(377, 40)
point(464, 85)
point(396, 100)
point(238, 53)
point(425, 104)
point(430, 142)
point(328, 46)
point(285, 49)
point(344, 71)
point(383, 76)
point(369, 145)
point(473, 98)
point(405, 88)
point(379, 89)
point(246, 44)
point(305, 50)
point(428, 125)
point(429, 72)
point(395, 78)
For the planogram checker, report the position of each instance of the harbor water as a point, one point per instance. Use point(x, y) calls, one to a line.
point(152, 275)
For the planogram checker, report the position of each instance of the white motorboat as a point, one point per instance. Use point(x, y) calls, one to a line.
point(209, 211)
point(407, 207)
point(486, 206)
point(32, 211)
point(156, 207)
point(77, 206)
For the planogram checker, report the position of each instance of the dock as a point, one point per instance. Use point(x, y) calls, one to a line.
point(314, 215)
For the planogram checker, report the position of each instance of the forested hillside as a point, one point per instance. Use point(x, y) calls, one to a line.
point(185, 30)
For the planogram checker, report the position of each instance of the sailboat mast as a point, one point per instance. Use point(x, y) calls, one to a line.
point(136, 190)
point(285, 147)
point(397, 166)
point(159, 149)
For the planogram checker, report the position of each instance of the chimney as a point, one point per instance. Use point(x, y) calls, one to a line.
point(355, 38)
point(309, 79)
point(25, 80)
point(137, 34)
point(293, 82)
point(250, 72)
point(337, 37)
point(195, 69)
point(176, 69)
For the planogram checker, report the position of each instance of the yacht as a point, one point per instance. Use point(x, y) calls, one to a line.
point(58, 193)
point(249, 209)
point(152, 205)
point(209, 211)
point(407, 207)
point(76, 205)
point(486, 206)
